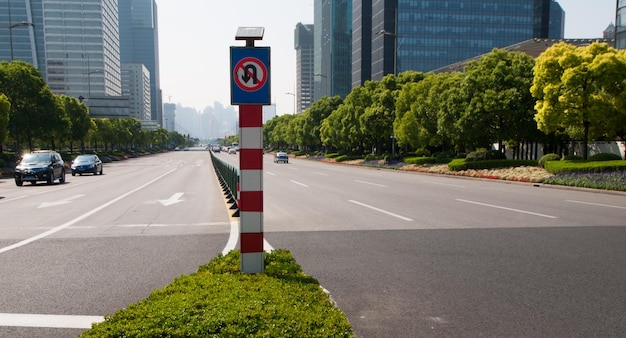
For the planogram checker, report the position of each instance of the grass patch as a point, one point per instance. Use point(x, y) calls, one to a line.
point(607, 180)
point(568, 166)
point(218, 300)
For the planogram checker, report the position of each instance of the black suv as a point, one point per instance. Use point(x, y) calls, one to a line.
point(40, 166)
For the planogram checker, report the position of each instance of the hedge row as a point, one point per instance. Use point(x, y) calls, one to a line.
point(218, 300)
point(557, 167)
point(461, 164)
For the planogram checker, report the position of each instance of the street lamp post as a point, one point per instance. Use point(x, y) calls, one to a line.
point(395, 49)
point(325, 82)
point(89, 81)
point(21, 24)
point(11, 26)
point(294, 101)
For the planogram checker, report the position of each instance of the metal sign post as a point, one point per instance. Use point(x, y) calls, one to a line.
point(250, 89)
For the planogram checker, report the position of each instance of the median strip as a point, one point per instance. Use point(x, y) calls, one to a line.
point(49, 321)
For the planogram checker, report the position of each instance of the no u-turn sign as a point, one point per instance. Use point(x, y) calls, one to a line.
point(250, 75)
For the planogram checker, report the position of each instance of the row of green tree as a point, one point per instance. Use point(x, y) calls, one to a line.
point(506, 98)
point(31, 116)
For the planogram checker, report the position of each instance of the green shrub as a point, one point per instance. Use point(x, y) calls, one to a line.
point(484, 154)
point(605, 157)
point(422, 152)
point(461, 164)
point(220, 301)
point(564, 166)
point(2, 163)
point(548, 157)
point(572, 158)
point(426, 160)
point(373, 157)
point(331, 155)
point(342, 158)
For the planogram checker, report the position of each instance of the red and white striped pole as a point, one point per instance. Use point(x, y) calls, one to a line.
point(251, 188)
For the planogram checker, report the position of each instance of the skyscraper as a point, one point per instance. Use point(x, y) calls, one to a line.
point(332, 41)
point(22, 38)
point(303, 43)
point(620, 24)
point(136, 86)
point(426, 35)
point(139, 43)
point(82, 47)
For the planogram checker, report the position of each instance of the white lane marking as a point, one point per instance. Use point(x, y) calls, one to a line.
point(232, 238)
point(505, 208)
point(381, 210)
point(161, 225)
point(370, 183)
point(13, 199)
point(53, 321)
point(293, 168)
point(596, 204)
point(81, 217)
point(321, 174)
point(446, 184)
point(298, 183)
point(270, 173)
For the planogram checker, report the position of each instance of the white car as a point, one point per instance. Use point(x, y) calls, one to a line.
point(281, 157)
point(232, 150)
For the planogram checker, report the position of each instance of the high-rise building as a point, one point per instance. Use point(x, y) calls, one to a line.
point(169, 115)
point(139, 43)
point(620, 24)
point(22, 38)
point(136, 86)
point(82, 47)
point(303, 43)
point(361, 42)
point(426, 35)
point(332, 41)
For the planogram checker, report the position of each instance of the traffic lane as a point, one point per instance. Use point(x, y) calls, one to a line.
point(470, 282)
point(41, 208)
point(97, 276)
point(185, 200)
point(451, 202)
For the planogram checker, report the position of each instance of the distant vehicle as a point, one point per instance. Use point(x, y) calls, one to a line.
point(177, 149)
point(40, 166)
point(232, 150)
point(281, 157)
point(216, 149)
point(235, 145)
point(83, 164)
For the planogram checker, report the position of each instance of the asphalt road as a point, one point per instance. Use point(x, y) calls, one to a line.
point(402, 254)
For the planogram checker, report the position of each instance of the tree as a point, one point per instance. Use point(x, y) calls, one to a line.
point(500, 105)
point(579, 90)
point(5, 107)
point(31, 100)
point(80, 122)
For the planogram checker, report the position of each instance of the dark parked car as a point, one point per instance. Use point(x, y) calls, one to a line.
point(40, 166)
point(83, 164)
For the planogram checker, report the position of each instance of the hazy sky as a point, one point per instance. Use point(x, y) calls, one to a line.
point(195, 36)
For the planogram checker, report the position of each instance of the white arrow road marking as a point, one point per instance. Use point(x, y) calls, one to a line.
point(63, 201)
point(172, 200)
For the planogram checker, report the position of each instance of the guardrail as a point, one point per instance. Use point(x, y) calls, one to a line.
point(228, 175)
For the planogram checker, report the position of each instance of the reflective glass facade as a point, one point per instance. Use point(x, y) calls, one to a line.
point(620, 25)
point(332, 40)
point(139, 43)
point(21, 32)
point(427, 35)
point(82, 47)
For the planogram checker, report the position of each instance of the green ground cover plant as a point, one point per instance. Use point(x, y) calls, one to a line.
point(568, 166)
point(219, 301)
point(607, 180)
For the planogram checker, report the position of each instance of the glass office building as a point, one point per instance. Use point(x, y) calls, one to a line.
point(620, 25)
point(332, 41)
point(303, 44)
point(21, 33)
point(425, 35)
point(139, 43)
point(82, 47)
